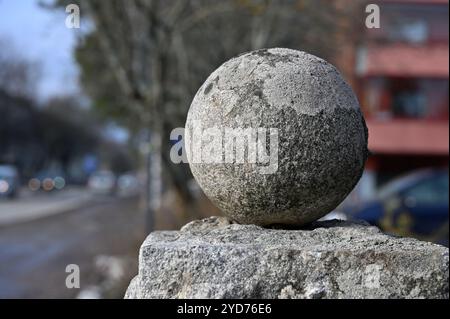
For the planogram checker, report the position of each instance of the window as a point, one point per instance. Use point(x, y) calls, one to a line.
point(412, 31)
point(409, 103)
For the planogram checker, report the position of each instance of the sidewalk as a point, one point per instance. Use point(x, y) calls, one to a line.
point(28, 208)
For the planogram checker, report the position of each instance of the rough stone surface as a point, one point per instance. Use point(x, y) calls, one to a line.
point(322, 136)
point(214, 258)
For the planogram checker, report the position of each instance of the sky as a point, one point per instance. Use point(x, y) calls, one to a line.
point(40, 35)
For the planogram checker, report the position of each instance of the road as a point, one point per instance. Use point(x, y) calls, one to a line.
point(35, 251)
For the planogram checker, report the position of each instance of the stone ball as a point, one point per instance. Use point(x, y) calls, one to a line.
point(276, 137)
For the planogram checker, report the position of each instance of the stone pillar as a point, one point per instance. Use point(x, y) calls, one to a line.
point(276, 139)
point(214, 258)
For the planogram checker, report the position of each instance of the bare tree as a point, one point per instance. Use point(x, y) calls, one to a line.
point(154, 54)
point(18, 76)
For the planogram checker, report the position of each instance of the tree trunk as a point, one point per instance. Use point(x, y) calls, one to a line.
point(154, 178)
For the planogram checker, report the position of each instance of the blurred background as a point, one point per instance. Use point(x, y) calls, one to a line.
point(86, 114)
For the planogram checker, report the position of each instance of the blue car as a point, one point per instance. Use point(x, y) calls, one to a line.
point(415, 205)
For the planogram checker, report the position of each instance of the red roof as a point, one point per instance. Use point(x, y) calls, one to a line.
point(409, 137)
point(405, 61)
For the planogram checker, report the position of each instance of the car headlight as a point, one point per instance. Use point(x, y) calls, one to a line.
point(4, 186)
point(34, 184)
point(47, 184)
point(59, 182)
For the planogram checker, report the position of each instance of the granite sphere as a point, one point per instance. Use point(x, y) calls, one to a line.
point(276, 136)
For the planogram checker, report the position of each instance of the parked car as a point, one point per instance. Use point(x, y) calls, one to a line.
point(102, 182)
point(128, 185)
point(414, 205)
point(9, 181)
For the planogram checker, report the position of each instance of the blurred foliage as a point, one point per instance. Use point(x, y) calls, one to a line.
point(60, 131)
point(174, 45)
point(18, 76)
point(32, 138)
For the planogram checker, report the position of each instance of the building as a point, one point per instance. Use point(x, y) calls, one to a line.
point(401, 78)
